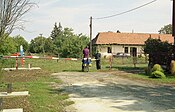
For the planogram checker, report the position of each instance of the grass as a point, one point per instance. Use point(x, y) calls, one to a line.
point(43, 94)
point(44, 97)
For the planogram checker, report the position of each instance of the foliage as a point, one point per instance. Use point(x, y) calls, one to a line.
point(172, 67)
point(62, 42)
point(157, 67)
point(19, 40)
point(37, 45)
point(57, 30)
point(159, 52)
point(8, 46)
point(49, 46)
point(167, 29)
point(158, 74)
point(12, 45)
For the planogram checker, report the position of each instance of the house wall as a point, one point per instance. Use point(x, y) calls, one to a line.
point(119, 48)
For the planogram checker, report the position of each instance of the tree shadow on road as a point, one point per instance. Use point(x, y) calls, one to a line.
point(148, 99)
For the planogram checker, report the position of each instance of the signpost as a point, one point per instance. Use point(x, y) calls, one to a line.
point(22, 54)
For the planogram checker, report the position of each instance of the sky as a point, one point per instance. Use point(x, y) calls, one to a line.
point(76, 14)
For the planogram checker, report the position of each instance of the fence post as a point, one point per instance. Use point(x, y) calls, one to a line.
point(9, 88)
point(134, 61)
point(1, 104)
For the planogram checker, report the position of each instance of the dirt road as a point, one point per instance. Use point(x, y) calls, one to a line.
point(103, 92)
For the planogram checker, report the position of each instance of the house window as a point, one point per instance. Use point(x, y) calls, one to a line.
point(109, 49)
point(126, 49)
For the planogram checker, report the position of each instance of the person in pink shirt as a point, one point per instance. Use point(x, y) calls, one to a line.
point(85, 55)
point(86, 52)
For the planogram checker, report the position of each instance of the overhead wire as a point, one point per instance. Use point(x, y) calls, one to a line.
point(105, 17)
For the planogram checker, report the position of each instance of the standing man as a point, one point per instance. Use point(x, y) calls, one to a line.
point(85, 55)
point(98, 57)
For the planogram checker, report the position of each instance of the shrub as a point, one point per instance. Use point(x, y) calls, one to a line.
point(172, 67)
point(158, 74)
point(157, 67)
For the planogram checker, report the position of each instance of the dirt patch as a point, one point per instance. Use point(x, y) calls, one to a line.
point(104, 92)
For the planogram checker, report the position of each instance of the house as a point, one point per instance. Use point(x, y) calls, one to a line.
point(130, 43)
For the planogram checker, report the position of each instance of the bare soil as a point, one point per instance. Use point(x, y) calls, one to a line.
point(105, 92)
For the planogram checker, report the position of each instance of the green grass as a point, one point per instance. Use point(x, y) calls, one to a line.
point(167, 80)
point(44, 98)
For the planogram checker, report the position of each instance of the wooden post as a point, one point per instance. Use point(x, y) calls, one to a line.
point(16, 63)
point(134, 61)
point(90, 36)
point(9, 88)
point(1, 104)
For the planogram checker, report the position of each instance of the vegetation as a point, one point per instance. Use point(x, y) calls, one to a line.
point(167, 29)
point(159, 52)
point(157, 67)
point(43, 88)
point(157, 72)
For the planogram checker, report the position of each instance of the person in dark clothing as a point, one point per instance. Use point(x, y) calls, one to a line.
point(98, 58)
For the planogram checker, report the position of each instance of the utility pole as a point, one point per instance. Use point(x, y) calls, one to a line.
point(173, 26)
point(90, 36)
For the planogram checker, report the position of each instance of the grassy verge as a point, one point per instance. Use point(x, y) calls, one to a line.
point(44, 97)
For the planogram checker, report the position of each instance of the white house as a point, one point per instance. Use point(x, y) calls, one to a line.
point(131, 43)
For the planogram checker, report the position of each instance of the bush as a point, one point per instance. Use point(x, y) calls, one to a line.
point(172, 67)
point(157, 67)
point(158, 74)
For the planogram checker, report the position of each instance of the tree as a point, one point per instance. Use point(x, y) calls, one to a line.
point(8, 46)
point(49, 46)
point(19, 40)
point(37, 45)
point(56, 31)
point(167, 29)
point(11, 13)
point(159, 52)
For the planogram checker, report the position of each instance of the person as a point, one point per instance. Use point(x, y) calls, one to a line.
point(86, 52)
point(85, 55)
point(98, 58)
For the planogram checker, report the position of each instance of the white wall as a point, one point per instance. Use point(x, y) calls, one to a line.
point(118, 48)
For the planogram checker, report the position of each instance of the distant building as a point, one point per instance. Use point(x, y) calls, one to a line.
point(130, 43)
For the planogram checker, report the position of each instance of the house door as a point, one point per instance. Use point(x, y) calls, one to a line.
point(133, 51)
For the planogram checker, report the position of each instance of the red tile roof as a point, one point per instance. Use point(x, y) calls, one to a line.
point(129, 38)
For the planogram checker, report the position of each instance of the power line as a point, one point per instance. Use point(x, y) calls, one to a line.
point(105, 17)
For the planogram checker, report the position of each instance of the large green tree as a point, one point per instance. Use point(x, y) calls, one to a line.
point(49, 46)
point(19, 40)
point(8, 46)
point(37, 45)
point(67, 43)
point(167, 29)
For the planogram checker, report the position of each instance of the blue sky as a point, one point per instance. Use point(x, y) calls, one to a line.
point(75, 14)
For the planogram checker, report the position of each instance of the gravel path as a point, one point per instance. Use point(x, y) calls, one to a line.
point(103, 92)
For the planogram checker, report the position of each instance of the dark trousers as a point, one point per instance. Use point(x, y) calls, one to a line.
point(98, 64)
